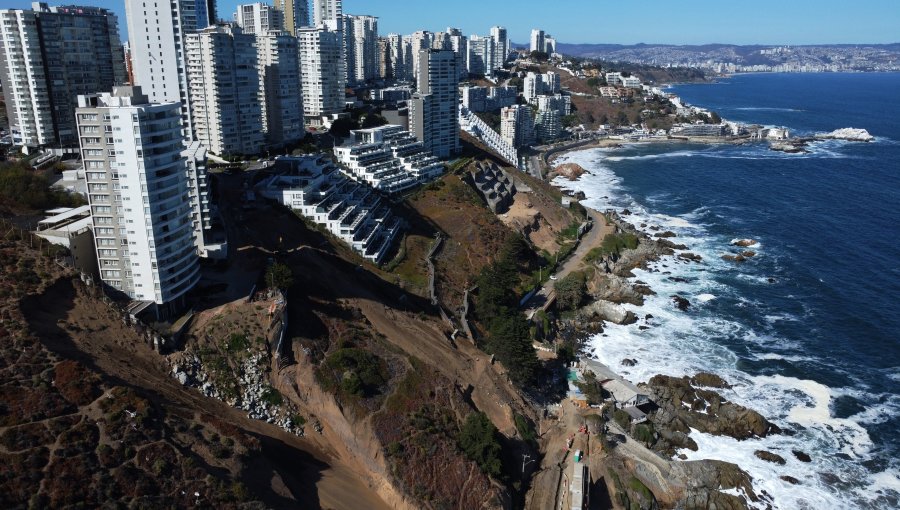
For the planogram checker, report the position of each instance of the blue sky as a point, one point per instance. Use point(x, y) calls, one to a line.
point(624, 22)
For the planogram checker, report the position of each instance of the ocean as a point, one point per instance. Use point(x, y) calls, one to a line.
point(808, 330)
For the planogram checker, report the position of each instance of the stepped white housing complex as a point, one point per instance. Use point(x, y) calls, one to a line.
point(138, 188)
point(50, 55)
point(433, 115)
point(224, 90)
point(316, 189)
point(388, 158)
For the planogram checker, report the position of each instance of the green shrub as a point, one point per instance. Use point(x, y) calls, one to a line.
point(478, 439)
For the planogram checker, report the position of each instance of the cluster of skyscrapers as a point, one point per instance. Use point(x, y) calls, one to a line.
point(145, 115)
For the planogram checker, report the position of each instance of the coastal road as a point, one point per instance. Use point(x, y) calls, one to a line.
point(591, 239)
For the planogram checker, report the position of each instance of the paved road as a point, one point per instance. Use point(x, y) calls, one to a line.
point(591, 239)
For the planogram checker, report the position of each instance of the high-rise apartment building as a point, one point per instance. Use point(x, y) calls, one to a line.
point(157, 32)
point(517, 125)
point(501, 45)
point(50, 55)
point(327, 13)
point(537, 40)
point(224, 90)
point(295, 13)
point(139, 193)
point(258, 18)
point(480, 61)
point(460, 46)
point(322, 75)
point(433, 110)
point(421, 40)
point(360, 47)
point(279, 87)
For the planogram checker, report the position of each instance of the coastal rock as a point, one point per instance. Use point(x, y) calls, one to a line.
point(690, 257)
point(770, 457)
point(571, 171)
point(789, 147)
point(709, 380)
point(744, 243)
point(734, 258)
point(607, 311)
point(626, 212)
point(683, 407)
point(616, 289)
point(579, 195)
point(748, 253)
point(801, 456)
point(790, 479)
point(667, 233)
point(670, 245)
point(629, 362)
point(849, 134)
point(703, 482)
point(681, 303)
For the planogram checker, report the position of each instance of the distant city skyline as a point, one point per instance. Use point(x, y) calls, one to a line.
point(766, 22)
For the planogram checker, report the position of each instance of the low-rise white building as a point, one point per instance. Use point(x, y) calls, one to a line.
point(388, 158)
point(72, 228)
point(316, 189)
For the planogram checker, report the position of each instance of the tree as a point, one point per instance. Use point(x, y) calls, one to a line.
point(593, 82)
point(478, 439)
point(540, 56)
point(570, 291)
point(279, 276)
point(341, 127)
point(510, 341)
point(714, 118)
point(622, 118)
point(373, 120)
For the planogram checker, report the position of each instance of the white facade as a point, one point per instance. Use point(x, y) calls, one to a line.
point(613, 79)
point(360, 47)
point(557, 102)
point(517, 125)
point(50, 55)
point(421, 40)
point(481, 53)
point(322, 75)
point(279, 87)
point(632, 82)
point(460, 46)
point(501, 46)
point(537, 40)
point(258, 18)
point(532, 86)
point(547, 125)
point(388, 158)
point(157, 42)
point(433, 110)
point(327, 13)
point(224, 90)
point(315, 188)
point(139, 194)
point(198, 191)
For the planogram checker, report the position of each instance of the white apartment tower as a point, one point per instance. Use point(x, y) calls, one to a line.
point(279, 87)
point(360, 47)
point(295, 14)
point(433, 110)
point(421, 40)
point(50, 55)
point(537, 40)
point(460, 46)
point(258, 18)
point(481, 52)
point(396, 55)
point(327, 13)
point(517, 125)
point(157, 32)
point(224, 90)
point(501, 45)
point(322, 75)
point(138, 189)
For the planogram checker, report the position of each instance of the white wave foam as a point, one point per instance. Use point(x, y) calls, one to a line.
point(703, 298)
point(767, 109)
point(680, 343)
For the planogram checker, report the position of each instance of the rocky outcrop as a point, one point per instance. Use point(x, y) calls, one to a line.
point(682, 407)
point(606, 311)
point(570, 171)
point(744, 243)
point(690, 257)
point(709, 380)
point(801, 456)
point(616, 289)
point(681, 303)
point(734, 258)
point(770, 457)
point(849, 134)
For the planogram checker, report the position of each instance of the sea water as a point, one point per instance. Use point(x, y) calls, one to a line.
point(808, 330)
